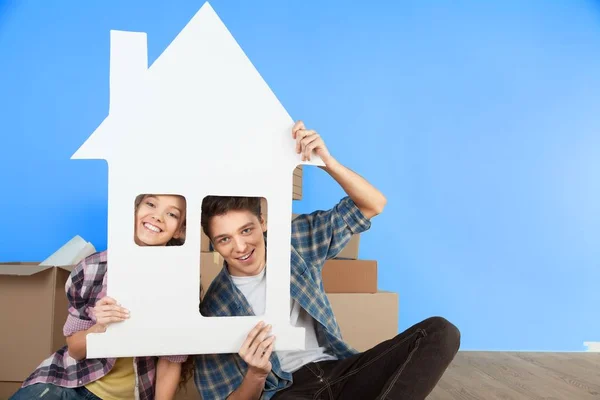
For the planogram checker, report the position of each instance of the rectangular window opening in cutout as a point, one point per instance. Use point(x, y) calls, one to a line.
point(159, 220)
point(234, 229)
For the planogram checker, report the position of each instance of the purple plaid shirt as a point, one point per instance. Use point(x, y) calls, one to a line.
point(85, 286)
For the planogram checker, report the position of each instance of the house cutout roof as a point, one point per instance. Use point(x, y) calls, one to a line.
point(201, 120)
point(201, 89)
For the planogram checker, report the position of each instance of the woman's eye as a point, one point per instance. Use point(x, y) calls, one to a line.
point(149, 204)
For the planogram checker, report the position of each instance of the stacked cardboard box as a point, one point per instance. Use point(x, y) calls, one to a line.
point(297, 188)
point(366, 315)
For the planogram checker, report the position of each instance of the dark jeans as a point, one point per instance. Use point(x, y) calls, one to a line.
point(46, 391)
point(407, 366)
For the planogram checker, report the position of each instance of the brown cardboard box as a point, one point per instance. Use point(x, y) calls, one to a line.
point(210, 266)
point(204, 242)
point(366, 319)
point(298, 180)
point(264, 210)
point(297, 183)
point(33, 310)
point(298, 170)
point(297, 193)
point(350, 276)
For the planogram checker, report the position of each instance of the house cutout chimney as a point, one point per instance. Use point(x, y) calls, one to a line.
point(190, 119)
point(128, 62)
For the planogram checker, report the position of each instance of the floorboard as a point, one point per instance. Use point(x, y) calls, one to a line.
point(485, 375)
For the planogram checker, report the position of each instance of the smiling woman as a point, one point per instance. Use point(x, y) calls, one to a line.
point(159, 220)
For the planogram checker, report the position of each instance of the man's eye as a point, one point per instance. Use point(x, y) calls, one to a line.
point(247, 230)
point(223, 240)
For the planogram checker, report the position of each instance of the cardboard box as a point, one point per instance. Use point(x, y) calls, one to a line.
point(366, 319)
point(33, 310)
point(264, 210)
point(298, 180)
point(297, 193)
point(350, 276)
point(204, 242)
point(297, 183)
point(210, 266)
point(298, 170)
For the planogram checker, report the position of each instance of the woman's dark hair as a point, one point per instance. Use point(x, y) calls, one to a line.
point(187, 372)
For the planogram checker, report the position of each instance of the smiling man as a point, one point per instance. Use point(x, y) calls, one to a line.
point(237, 234)
point(407, 366)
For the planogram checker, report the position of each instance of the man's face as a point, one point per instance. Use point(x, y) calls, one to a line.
point(238, 237)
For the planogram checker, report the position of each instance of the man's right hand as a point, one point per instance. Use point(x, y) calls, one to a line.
point(256, 350)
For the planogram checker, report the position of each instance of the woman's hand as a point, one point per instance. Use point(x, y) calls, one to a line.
point(108, 311)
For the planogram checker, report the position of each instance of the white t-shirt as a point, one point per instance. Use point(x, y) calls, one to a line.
point(254, 289)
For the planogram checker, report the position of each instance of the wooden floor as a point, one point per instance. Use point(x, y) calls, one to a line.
point(517, 375)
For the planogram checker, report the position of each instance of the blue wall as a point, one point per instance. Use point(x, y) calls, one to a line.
point(480, 122)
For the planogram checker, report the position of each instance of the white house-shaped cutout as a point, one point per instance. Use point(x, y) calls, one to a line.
point(200, 121)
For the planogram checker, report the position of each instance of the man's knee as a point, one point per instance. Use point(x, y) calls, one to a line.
point(446, 332)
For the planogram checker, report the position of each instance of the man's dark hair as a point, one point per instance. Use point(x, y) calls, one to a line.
point(220, 205)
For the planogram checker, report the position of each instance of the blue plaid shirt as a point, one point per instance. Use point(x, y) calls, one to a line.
point(316, 237)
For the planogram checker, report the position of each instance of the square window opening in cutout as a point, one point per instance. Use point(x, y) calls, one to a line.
point(159, 220)
point(234, 229)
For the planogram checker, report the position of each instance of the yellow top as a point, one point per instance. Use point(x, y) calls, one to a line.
point(118, 384)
